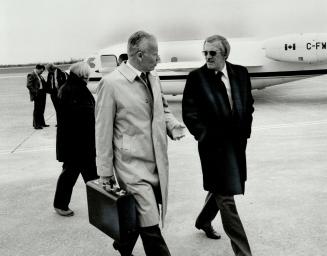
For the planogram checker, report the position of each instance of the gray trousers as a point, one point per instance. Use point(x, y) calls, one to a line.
point(229, 217)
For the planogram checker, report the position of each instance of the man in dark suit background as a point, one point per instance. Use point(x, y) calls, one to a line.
point(217, 110)
point(36, 86)
point(122, 58)
point(56, 78)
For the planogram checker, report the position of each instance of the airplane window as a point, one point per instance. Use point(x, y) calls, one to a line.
point(173, 59)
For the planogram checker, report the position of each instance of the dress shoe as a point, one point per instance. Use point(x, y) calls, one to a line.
point(210, 232)
point(119, 248)
point(66, 213)
point(38, 127)
point(45, 125)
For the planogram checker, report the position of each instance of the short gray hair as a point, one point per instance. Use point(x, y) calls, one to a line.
point(135, 41)
point(223, 40)
point(81, 69)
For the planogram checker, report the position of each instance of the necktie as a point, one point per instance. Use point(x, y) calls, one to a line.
point(222, 89)
point(40, 80)
point(144, 77)
point(53, 81)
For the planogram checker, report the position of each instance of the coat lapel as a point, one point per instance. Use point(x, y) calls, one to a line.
point(235, 88)
point(129, 74)
point(132, 77)
point(154, 84)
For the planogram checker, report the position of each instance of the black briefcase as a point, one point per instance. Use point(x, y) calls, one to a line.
point(111, 210)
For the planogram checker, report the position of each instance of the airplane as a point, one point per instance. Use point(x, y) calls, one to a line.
point(270, 61)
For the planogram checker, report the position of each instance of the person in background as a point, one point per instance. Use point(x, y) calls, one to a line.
point(75, 143)
point(132, 122)
point(56, 78)
point(36, 86)
point(217, 109)
point(122, 58)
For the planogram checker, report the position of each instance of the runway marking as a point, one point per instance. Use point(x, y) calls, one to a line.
point(22, 142)
point(29, 136)
point(290, 125)
point(27, 150)
point(38, 149)
point(6, 77)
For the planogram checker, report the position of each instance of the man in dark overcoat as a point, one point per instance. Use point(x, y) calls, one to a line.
point(217, 110)
point(36, 86)
point(56, 78)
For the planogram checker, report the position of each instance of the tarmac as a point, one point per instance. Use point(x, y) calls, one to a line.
point(283, 210)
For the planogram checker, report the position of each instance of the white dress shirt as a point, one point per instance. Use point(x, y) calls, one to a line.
point(225, 80)
point(39, 78)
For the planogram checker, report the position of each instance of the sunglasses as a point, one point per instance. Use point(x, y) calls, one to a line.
point(212, 53)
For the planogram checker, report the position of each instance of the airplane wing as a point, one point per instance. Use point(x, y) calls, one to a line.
point(188, 66)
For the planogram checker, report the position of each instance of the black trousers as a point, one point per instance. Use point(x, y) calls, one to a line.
point(153, 242)
point(39, 107)
point(230, 219)
point(67, 180)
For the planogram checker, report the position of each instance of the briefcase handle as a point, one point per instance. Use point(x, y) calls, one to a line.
point(113, 188)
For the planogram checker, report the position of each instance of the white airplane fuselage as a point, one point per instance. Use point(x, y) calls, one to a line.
point(269, 61)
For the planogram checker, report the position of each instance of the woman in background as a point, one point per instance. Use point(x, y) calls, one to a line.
point(75, 136)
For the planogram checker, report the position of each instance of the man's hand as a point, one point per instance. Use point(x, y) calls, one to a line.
point(178, 132)
point(107, 180)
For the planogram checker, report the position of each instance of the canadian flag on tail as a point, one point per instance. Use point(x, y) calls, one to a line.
point(290, 47)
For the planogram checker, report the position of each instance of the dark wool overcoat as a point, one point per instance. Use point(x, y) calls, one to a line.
point(221, 133)
point(76, 122)
point(61, 78)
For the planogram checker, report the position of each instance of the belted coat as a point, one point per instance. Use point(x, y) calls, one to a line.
point(131, 139)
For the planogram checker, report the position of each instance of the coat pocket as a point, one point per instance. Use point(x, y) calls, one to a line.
point(126, 148)
point(126, 144)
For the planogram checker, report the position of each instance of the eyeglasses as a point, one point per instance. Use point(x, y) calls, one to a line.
point(212, 53)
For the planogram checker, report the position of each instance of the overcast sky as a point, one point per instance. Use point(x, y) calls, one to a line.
point(44, 30)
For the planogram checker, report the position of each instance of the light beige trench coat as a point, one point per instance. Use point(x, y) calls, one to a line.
point(131, 138)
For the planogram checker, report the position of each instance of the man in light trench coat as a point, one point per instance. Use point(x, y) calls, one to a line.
point(132, 123)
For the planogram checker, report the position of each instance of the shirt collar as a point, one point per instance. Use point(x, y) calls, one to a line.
point(136, 71)
point(224, 71)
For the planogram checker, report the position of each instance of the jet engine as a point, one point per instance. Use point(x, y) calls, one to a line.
point(301, 48)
